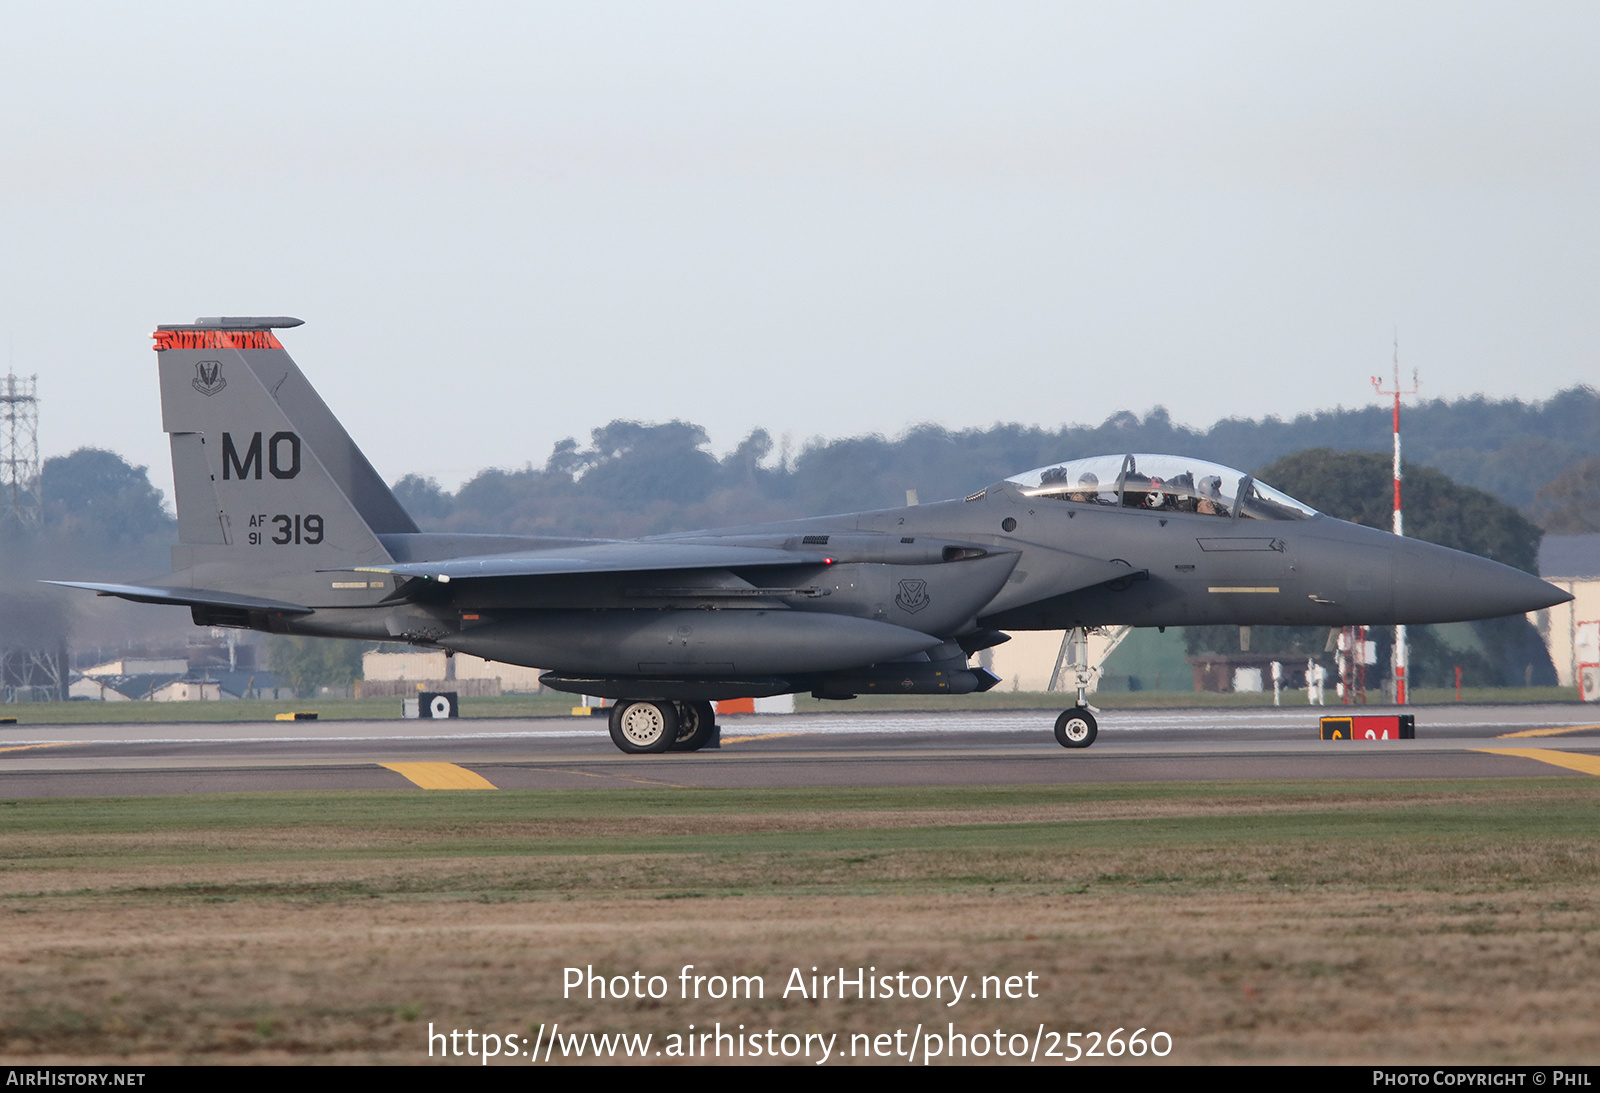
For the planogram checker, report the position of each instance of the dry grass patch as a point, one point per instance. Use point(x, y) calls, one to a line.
point(1292, 976)
point(1355, 924)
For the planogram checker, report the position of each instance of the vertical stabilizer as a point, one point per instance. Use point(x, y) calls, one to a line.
point(263, 471)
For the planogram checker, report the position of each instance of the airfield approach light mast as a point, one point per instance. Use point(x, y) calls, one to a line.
point(1401, 656)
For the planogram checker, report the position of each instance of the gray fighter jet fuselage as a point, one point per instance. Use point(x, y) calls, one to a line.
point(285, 527)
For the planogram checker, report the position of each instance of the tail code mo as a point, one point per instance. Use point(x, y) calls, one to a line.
point(283, 456)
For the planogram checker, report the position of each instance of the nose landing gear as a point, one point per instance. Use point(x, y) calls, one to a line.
point(1076, 728)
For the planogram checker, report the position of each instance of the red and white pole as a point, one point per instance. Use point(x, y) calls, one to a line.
point(1401, 658)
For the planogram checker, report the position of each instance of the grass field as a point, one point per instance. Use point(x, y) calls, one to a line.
point(1317, 921)
point(559, 705)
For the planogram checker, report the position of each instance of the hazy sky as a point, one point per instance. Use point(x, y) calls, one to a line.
point(509, 223)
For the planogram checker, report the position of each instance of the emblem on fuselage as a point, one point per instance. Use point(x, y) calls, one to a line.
point(208, 377)
point(913, 596)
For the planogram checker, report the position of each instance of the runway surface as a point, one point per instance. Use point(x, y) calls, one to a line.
point(834, 749)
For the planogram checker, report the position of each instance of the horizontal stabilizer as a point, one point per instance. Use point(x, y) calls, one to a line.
point(187, 597)
point(601, 558)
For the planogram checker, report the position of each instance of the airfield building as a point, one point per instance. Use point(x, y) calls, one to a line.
point(1571, 631)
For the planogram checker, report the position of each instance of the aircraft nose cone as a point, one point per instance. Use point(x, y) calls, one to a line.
point(1436, 584)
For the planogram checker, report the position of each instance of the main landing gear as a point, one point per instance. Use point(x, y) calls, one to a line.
point(649, 727)
point(696, 722)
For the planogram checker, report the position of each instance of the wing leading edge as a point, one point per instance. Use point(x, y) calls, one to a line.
point(602, 558)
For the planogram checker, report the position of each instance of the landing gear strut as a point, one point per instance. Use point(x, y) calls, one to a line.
point(1076, 728)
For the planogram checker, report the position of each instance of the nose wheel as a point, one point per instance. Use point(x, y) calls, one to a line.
point(1076, 728)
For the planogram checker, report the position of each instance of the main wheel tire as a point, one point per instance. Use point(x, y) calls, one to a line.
point(1076, 728)
point(641, 728)
point(696, 722)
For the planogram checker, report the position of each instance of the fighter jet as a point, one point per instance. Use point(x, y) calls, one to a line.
point(285, 527)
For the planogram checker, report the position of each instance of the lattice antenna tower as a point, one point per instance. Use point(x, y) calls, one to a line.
point(21, 504)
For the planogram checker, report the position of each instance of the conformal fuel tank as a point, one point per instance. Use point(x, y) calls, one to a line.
point(688, 643)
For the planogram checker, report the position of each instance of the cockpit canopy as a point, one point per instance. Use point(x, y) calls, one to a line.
point(1161, 483)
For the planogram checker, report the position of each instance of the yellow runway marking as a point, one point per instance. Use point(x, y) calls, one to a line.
point(1547, 732)
point(26, 747)
point(1587, 764)
point(439, 775)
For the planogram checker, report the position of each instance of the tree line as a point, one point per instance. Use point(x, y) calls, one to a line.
point(1486, 476)
point(640, 479)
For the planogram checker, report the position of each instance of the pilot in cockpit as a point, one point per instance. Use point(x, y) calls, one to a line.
point(1087, 490)
point(1136, 490)
point(1210, 502)
point(1180, 489)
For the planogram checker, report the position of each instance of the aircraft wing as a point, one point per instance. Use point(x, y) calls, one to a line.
point(186, 597)
point(599, 558)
